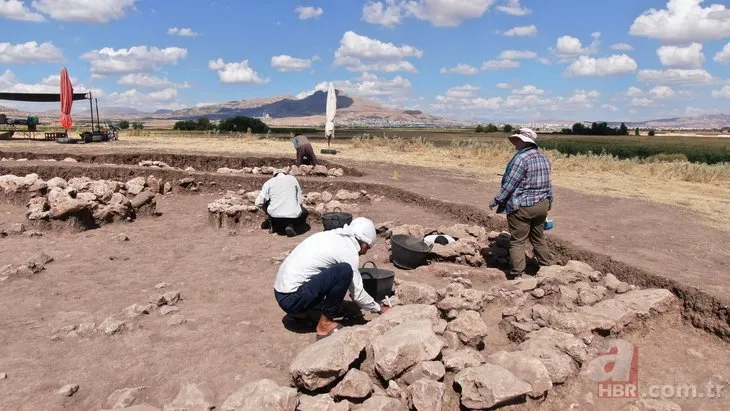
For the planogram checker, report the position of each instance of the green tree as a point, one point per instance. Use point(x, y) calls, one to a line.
point(507, 128)
point(623, 130)
point(124, 124)
point(185, 125)
point(137, 125)
point(580, 129)
point(479, 129)
point(204, 124)
point(243, 124)
point(636, 131)
point(491, 128)
point(652, 133)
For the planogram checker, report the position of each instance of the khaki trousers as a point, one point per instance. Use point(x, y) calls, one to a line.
point(525, 224)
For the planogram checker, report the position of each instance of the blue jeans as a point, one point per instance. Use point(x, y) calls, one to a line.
point(328, 287)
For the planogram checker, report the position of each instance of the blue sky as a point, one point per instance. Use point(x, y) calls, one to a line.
point(473, 59)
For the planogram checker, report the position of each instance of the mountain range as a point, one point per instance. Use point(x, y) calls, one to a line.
point(351, 111)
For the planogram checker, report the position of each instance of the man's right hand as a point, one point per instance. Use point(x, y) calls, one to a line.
point(383, 309)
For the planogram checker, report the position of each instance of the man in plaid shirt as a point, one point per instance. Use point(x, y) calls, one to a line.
point(526, 197)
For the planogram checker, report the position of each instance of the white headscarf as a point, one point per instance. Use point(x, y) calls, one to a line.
point(361, 228)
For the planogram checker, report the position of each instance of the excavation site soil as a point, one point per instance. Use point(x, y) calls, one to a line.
point(165, 300)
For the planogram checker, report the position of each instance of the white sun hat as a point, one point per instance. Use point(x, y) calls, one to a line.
point(527, 135)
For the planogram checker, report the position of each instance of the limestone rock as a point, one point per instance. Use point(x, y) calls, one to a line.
point(416, 293)
point(401, 314)
point(306, 169)
point(110, 326)
point(176, 320)
point(123, 398)
point(457, 297)
point(320, 170)
point(325, 361)
point(355, 386)
point(262, 395)
point(68, 390)
point(143, 198)
point(470, 327)
point(432, 370)
point(56, 182)
point(192, 397)
point(322, 402)
point(458, 360)
point(382, 403)
point(136, 185)
point(426, 395)
point(404, 346)
point(395, 391)
point(165, 310)
point(590, 295)
point(135, 310)
point(560, 353)
point(489, 385)
point(526, 368)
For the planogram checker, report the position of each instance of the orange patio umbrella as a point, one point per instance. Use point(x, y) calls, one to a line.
point(67, 99)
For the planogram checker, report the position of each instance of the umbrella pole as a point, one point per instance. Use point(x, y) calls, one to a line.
point(91, 109)
point(98, 122)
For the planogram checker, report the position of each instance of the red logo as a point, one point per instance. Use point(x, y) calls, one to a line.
point(616, 370)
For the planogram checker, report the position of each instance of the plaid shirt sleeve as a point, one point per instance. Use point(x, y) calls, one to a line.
point(512, 181)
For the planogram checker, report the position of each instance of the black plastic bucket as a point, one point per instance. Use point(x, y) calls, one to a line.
point(377, 282)
point(408, 252)
point(334, 220)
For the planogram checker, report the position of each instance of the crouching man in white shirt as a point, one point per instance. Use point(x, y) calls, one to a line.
point(321, 269)
point(281, 199)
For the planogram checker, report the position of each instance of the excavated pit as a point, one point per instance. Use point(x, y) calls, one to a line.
point(200, 162)
point(699, 308)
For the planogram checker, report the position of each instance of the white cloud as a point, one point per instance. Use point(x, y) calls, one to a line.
point(690, 56)
point(584, 97)
point(634, 92)
point(500, 65)
point(521, 31)
point(361, 53)
point(464, 69)
point(724, 92)
point(684, 21)
point(447, 13)
point(388, 14)
point(16, 10)
point(662, 92)
point(182, 32)
point(370, 85)
point(570, 46)
point(676, 76)
point(9, 83)
point(641, 102)
point(723, 56)
point(514, 8)
point(517, 55)
point(285, 63)
point(602, 67)
point(148, 81)
point(308, 12)
point(504, 86)
point(544, 60)
point(236, 73)
point(528, 90)
point(135, 59)
point(163, 99)
point(609, 107)
point(464, 91)
point(87, 11)
point(30, 52)
point(622, 47)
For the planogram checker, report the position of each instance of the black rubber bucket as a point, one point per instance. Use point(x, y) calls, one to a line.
point(408, 252)
point(334, 220)
point(377, 282)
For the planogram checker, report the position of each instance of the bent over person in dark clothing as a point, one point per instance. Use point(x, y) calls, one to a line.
point(305, 152)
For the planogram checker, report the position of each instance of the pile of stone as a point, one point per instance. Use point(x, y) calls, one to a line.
point(67, 159)
point(16, 229)
point(89, 202)
point(468, 248)
point(165, 304)
point(155, 164)
point(237, 209)
point(33, 266)
point(304, 170)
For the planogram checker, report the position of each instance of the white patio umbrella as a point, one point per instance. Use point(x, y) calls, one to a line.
point(329, 127)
